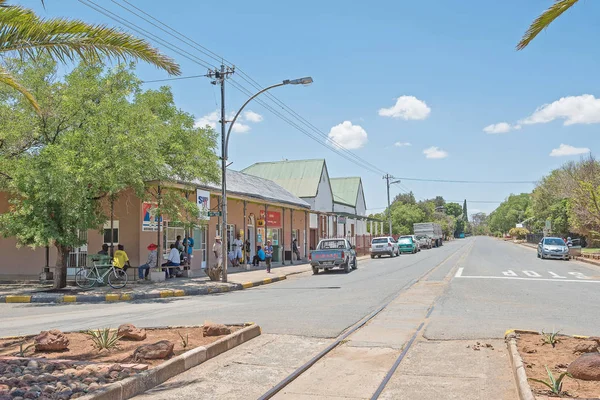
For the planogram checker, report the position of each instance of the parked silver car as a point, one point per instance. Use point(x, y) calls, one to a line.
point(385, 245)
point(424, 242)
point(553, 247)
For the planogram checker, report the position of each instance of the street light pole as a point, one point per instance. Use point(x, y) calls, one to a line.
point(225, 153)
point(387, 178)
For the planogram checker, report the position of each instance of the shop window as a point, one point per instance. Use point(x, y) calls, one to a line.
point(115, 237)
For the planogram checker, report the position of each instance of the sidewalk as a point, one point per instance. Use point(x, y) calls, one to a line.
point(238, 279)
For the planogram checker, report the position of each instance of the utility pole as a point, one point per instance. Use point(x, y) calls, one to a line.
point(219, 79)
point(387, 178)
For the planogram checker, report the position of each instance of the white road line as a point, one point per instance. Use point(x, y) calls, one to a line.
point(526, 279)
point(459, 273)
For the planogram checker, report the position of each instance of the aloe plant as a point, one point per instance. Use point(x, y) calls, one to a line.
point(555, 385)
point(104, 338)
point(550, 338)
point(23, 349)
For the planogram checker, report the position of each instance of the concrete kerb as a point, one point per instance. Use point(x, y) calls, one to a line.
point(132, 296)
point(146, 380)
point(525, 392)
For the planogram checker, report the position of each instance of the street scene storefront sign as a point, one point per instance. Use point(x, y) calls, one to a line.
point(273, 218)
point(203, 201)
point(149, 217)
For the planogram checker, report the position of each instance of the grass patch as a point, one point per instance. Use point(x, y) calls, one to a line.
point(590, 250)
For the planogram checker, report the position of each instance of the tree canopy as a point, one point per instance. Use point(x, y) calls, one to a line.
point(98, 134)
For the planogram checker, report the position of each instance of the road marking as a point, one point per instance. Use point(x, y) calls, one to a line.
point(528, 279)
point(459, 272)
point(556, 275)
point(509, 273)
point(532, 274)
point(578, 275)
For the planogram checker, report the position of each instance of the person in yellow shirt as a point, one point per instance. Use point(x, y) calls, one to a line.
point(120, 259)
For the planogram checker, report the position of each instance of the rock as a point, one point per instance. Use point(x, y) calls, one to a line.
point(31, 395)
point(586, 367)
point(77, 395)
point(53, 340)
point(4, 388)
point(130, 332)
point(116, 367)
point(93, 386)
point(64, 395)
point(210, 329)
point(16, 392)
point(586, 346)
point(154, 351)
point(32, 364)
point(49, 389)
point(113, 374)
point(529, 349)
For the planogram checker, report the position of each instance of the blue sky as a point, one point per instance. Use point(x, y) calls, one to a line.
point(456, 59)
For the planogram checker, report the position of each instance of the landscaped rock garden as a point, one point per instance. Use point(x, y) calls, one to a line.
point(573, 363)
point(57, 365)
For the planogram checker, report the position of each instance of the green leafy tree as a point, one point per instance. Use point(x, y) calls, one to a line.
point(25, 34)
point(515, 209)
point(404, 216)
point(544, 20)
point(98, 134)
point(453, 209)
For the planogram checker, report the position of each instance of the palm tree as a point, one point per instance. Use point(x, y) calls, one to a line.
point(545, 19)
point(25, 34)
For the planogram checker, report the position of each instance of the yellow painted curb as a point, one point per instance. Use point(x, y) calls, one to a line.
point(580, 337)
point(18, 299)
point(179, 293)
point(247, 285)
point(267, 281)
point(126, 296)
point(225, 289)
point(112, 297)
point(166, 293)
point(69, 299)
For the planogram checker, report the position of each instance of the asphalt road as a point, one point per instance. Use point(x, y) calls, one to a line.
point(316, 306)
point(501, 286)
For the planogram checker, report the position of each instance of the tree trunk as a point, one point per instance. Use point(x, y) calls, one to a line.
point(60, 272)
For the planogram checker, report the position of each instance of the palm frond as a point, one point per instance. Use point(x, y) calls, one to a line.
point(7, 79)
point(545, 19)
point(23, 32)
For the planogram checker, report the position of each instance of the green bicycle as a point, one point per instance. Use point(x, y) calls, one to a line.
point(88, 277)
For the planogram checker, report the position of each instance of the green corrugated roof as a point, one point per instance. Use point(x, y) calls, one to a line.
point(300, 177)
point(345, 190)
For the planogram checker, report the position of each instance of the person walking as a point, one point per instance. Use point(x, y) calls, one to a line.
point(144, 270)
point(295, 249)
point(268, 255)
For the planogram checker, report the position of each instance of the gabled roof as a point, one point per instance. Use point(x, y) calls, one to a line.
point(300, 177)
point(345, 190)
point(253, 186)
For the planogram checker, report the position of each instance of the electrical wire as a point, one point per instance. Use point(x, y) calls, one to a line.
point(457, 181)
point(175, 79)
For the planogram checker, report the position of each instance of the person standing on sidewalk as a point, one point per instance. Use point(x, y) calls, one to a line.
point(268, 255)
point(295, 249)
point(237, 250)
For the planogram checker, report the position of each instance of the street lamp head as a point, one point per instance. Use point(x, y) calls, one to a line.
point(301, 81)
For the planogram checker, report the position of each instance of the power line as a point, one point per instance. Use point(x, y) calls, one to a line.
point(457, 181)
point(176, 79)
point(190, 42)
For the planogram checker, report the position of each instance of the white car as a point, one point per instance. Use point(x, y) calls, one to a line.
point(424, 242)
point(384, 245)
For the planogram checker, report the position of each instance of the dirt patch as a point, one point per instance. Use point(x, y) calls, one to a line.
point(81, 347)
point(82, 368)
point(536, 356)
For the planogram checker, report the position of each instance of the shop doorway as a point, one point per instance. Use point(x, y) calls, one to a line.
point(313, 239)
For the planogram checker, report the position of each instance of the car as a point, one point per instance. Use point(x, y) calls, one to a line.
point(553, 247)
point(414, 239)
point(424, 242)
point(333, 253)
point(407, 245)
point(384, 245)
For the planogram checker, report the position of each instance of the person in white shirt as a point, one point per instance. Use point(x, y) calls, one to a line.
point(172, 261)
point(237, 250)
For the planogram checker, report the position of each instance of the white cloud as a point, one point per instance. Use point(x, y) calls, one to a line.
point(584, 109)
point(407, 107)
point(435, 152)
point(348, 135)
point(212, 120)
point(251, 116)
point(502, 127)
point(566, 150)
point(402, 144)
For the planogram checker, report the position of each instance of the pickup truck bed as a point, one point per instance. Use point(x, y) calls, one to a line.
point(324, 258)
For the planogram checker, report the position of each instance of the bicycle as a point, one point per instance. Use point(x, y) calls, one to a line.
point(88, 277)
